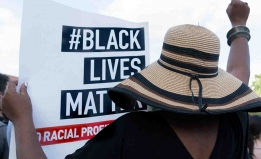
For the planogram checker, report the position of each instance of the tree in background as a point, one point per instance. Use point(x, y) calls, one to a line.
point(256, 85)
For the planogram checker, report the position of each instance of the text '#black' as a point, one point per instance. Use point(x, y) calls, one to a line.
point(89, 103)
point(85, 39)
point(111, 69)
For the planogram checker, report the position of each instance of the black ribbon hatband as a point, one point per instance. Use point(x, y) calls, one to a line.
point(193, 77)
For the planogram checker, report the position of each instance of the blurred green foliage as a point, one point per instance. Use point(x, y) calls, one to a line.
point(256, 86)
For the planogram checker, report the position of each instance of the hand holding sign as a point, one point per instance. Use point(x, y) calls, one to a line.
point(238, 12)
point(17, 107)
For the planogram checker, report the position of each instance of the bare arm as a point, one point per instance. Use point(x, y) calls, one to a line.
point(27, 144)
point(18, 108)
point(239, 60)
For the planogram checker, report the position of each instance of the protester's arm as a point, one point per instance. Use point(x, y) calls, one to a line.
point(18, 108)
point(239, 60)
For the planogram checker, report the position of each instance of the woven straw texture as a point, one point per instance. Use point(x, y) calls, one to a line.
point(191, 36)
point(188, 50)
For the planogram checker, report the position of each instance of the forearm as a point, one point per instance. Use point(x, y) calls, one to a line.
point(27, 144)
point(239, 60)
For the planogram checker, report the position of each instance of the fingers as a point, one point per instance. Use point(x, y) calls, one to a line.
point(15, 81)
point(12, 86)
point(233, 1)
point(23, 89)
point(238, 1)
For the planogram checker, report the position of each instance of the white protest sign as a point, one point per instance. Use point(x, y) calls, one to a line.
point(70, 59)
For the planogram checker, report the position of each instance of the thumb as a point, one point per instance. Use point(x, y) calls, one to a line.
point(23, 89)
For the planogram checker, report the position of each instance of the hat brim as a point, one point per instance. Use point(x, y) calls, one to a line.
point(165, 89)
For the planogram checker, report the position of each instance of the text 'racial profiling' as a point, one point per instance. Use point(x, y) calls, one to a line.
point(96, 102)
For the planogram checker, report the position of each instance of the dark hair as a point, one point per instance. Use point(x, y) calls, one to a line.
point(254, 132)
point(3, 82)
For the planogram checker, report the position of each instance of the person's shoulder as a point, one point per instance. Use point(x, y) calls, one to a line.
point(2, 125)
point(129, 120)
point(3, 128)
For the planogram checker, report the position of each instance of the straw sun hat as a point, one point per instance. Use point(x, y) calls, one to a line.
point(187, 78)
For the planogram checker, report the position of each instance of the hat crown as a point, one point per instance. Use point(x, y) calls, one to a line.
point(192, 49)
point(186, 78)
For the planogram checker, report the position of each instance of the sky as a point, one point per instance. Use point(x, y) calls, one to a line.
point(160, 14)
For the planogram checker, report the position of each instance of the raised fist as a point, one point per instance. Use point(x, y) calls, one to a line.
point(238, 12)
